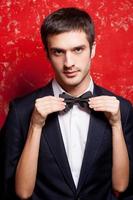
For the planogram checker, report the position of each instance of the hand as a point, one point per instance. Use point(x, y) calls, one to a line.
point(43, 107)
point(110, 105)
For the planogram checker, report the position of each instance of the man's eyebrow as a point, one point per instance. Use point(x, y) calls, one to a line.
point(78, 47)
point(56, 49)
point(61, 49)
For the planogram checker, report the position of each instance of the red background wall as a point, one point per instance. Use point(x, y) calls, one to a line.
point(23, 63)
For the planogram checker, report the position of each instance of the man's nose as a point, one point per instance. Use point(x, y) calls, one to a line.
point(69, 60)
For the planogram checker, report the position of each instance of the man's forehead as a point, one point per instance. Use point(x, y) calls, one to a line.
point(68, 39)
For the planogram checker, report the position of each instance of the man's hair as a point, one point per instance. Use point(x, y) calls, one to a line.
point(66, 20)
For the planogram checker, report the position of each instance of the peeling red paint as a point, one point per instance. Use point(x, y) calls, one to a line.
point(24, 66)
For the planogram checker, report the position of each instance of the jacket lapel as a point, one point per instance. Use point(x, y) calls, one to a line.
point(53, 136)
point(97, 122)
point(54, 139)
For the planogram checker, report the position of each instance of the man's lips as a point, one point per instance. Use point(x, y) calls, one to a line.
point(70, 73)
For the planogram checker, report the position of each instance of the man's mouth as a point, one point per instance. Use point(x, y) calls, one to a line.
point(71, 74)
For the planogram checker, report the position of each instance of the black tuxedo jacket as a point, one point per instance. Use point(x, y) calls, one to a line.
point(54, 179)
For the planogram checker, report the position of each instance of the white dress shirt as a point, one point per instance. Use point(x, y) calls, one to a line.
point(74, 126)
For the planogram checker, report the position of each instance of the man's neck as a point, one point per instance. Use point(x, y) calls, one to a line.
point(76, 90)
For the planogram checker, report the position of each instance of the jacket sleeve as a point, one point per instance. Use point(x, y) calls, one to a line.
point(127, 121)
point(13, 145)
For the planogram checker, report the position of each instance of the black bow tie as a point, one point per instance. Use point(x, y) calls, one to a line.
point(81, 100)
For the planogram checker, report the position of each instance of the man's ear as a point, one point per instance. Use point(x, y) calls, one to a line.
point(93, 50)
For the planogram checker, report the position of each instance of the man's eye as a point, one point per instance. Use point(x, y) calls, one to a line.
point(57, 52)
point(78, 50)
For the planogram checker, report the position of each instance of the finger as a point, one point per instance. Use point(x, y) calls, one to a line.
point(113, 105)
point(48, 101)
point(47, 108)
point(104, 101)
point(49, 98)
point(102, 97)
point(103, 108)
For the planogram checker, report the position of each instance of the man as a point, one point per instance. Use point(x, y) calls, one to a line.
point(71, 139)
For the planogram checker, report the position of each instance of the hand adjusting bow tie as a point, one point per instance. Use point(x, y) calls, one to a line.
point(81, 100)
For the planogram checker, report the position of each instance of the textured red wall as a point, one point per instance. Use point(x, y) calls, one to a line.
point(24, 66)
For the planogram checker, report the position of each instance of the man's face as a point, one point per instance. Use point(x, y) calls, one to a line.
point(70, 56)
